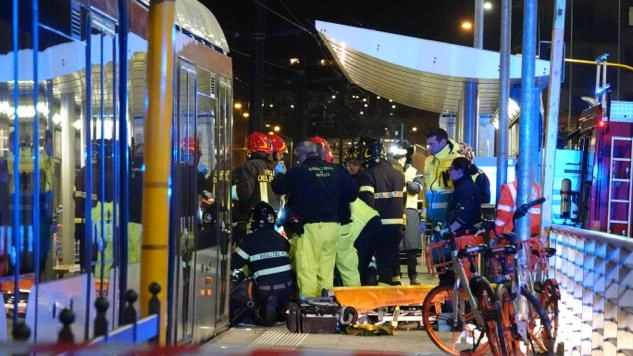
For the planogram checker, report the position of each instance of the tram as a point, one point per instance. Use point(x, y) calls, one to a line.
point(73, 103)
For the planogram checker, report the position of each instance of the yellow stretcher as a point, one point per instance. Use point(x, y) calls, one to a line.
point(376, 310)
point(368, 298)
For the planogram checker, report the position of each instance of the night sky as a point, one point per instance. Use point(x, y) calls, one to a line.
point(288, 24)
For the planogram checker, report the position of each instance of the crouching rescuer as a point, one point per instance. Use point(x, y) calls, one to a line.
point(262, 273)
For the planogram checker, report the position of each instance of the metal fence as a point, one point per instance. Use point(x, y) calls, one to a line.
point(595, 272)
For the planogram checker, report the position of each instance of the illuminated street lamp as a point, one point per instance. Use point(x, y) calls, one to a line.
point(467, 25)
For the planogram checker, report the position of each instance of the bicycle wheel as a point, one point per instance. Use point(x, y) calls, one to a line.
point(512, 339)
point(549, 297)
point(449, 335)
point(490, 307)
point(539, 329)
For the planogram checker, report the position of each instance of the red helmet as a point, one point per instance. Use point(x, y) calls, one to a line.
point(278, 143)
point(325, 146)
point(258, 142)
point(190, 144)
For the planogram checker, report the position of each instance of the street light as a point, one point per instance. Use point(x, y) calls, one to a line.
point(467, 25)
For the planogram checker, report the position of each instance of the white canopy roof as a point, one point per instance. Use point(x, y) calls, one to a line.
point(422, 74)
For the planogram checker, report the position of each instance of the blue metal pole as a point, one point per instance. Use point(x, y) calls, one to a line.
point(504, 94)
point(89, 231)
point(124, 158)
point(15, 147)
point(36, 158)
point(528, 129)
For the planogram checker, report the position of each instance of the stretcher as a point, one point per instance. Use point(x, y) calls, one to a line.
point(381, 304)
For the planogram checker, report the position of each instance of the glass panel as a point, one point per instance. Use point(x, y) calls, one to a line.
point(224, 123)
point(185, 188)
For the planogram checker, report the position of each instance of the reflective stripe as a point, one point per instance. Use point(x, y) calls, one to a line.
point(80, 194)
point(440, 205)
point(271, 254)
point(366, 188)
point(499, 222)
point(272, 270)
point(513, 190)
point(505, 208)
point(241, 253)
point(392, 221)
point(535, 210)
point(263, 191)
point(388, 195)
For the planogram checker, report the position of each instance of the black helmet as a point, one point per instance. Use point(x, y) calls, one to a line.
point(372, 150)
point(398, 149)
point(352, 154)
point(262, 215)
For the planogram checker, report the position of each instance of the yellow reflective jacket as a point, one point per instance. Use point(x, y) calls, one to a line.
point(438, 189)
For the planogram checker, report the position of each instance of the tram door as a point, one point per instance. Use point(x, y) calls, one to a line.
point(186, 188)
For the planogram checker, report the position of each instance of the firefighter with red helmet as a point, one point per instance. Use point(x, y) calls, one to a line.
point(251, 181)
point(279, 146)
point(325, 152)
point(382, 188)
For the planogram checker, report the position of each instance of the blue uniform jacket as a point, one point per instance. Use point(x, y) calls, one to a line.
point(316, 190)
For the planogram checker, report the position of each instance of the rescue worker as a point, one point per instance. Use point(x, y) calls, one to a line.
point(316, 191)
point(439, 187)
point(324, 148)
point(265, 253)
point(480, 178)
point(364, 227)
point(251, 181)
point(506, 205)
point(412, 242)
point(382, 188)
point(463, 207)
point(279, 147)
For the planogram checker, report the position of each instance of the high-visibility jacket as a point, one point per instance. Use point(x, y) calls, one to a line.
point(506, 205)
point(438, 190)
point(414, 183)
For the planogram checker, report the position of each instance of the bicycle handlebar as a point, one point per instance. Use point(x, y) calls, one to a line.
point(523, 209)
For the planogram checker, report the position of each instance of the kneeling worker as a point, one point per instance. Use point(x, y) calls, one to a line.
point(264, 254)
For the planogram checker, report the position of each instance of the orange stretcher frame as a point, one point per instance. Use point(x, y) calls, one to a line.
point(368, 298)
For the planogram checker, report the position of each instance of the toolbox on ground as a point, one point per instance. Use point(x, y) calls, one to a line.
point(313, 315)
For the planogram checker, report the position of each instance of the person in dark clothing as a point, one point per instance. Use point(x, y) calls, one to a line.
point(364, 225)
point(464, 206)
point(251, 182)
point(266, 255)
point(382, 188)
point(316, 191)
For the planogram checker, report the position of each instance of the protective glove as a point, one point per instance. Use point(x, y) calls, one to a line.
point(422, 227)
point(445, 231)
point(280, 168)
point(413, 187)
point(202, 169)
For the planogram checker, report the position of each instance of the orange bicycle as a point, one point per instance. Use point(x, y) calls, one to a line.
point(463, 318)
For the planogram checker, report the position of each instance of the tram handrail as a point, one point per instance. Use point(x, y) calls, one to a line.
point(617, 240)
point(143, 330)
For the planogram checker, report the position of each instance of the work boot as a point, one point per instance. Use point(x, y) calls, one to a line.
point(372, 276)
point(413, 280)
point(270, 312)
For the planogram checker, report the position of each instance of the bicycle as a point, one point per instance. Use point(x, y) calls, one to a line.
point(526, 319)
point(463, 318)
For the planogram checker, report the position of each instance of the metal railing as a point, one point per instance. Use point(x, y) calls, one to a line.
point(595, 272)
